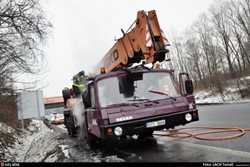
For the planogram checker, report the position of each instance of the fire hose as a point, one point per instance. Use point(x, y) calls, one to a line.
point(212, 130)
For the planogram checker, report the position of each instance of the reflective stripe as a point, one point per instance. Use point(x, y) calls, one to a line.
point(79, 85)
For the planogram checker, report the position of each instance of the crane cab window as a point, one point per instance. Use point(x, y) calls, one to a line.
point(119, 90)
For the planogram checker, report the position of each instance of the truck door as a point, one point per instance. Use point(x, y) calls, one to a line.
point(91, 112)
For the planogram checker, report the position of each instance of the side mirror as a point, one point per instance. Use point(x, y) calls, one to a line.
point(189, 86)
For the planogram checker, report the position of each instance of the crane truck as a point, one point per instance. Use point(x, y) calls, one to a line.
point(123, 99)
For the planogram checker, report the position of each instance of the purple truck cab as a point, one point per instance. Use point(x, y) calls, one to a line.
point(128, 102)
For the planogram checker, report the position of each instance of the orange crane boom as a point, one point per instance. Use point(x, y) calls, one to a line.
point(146, 41)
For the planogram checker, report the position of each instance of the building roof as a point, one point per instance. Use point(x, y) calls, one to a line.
point(53, 100)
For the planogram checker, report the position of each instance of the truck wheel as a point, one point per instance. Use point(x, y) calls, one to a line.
point(71, 126)
point(66, 95)
point(68, 125)
point(145, 135)
point(92, 141)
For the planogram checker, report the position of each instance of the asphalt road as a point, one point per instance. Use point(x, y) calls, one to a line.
point(166, 149)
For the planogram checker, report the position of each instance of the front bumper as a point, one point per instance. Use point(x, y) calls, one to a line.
point(139, 126)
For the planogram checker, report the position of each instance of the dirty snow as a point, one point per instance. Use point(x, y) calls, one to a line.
point(5, 128)
point(65, 150)
point(34, 144)
point(42, 144)
point(245, 78)
point(37, 143)
point(4, 152)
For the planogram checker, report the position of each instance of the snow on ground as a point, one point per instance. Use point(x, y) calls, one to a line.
point(230, 95)
point(6, 129)
point(42, 144)
point(4, 135)
point(247, 78)
point(65, 150)
point(37, 144)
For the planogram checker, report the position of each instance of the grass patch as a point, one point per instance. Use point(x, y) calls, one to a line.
point(8, 138)
point(49, 153)
point(60, 156)
point(55, 152)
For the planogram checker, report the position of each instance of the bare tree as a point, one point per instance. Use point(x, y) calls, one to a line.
point(23, 30)
point(216, 49)
point(178, 51)
point(221, 25)
point(239, 14)
point(204, 34)
point(195, 57)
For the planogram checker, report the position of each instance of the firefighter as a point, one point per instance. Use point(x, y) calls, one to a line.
point(79, 83)
point(72, 93)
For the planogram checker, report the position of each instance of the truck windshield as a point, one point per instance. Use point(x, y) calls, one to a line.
point(125, 90)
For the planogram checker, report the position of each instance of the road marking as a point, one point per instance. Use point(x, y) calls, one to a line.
point(217, 149)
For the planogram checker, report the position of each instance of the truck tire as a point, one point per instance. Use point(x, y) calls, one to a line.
point(90, 139)
point(145, 135)
point(66, 95)
point(71, 126)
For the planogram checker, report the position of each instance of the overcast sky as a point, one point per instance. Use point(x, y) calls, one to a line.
point(84, 31)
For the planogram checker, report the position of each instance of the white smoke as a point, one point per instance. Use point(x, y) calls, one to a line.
point(78, 112)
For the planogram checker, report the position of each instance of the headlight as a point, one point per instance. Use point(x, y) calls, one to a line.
point(118, 131)
point(188, 117)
